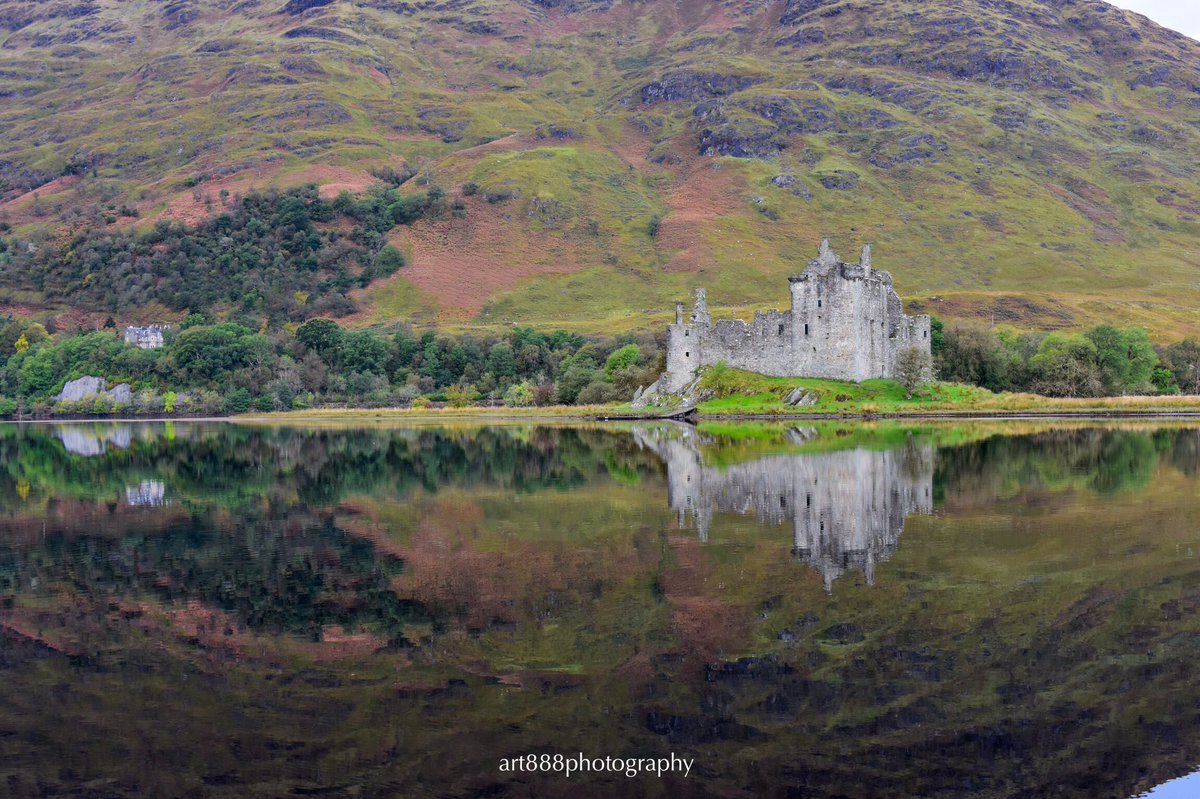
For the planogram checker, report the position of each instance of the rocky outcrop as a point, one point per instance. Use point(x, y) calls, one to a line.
point(296, 7)
point(84, 388)
point(911, 149)
point(794, 10)
point(802, 37)
point(839, 180)
point(758, 126)
point(317, 32)
point(741, 138)
point(90, 389)
point(694, 86)
point(575, 6)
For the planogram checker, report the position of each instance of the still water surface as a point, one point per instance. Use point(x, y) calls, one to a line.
point(990, 610)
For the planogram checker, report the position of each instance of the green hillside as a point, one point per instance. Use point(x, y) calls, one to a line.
point(1030, 162)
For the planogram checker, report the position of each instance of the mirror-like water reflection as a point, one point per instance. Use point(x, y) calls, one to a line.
point(846, 508)
point(837, 610)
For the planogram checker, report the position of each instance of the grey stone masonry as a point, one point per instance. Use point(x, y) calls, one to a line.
point(846, 323)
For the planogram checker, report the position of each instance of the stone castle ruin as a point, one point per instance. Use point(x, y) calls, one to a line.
point(846, 323)
point(847, 508)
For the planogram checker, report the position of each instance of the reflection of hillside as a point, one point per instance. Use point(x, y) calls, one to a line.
point(846, 508)
point(242, 519)
point(1015, 654)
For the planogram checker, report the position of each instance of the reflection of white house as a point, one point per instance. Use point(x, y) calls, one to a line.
point(148, 493)
point(847, 508)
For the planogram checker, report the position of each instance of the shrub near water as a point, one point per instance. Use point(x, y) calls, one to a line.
point(1104, 361)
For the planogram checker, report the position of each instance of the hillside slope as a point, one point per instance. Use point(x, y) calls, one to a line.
point(1011, 159)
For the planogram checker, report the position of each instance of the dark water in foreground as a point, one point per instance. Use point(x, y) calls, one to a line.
point(838, 611)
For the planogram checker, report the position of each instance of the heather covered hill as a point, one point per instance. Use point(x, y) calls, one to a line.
point(1026, 161)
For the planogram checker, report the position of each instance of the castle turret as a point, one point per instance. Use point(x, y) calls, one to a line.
point(826, 257)
point(700, 313)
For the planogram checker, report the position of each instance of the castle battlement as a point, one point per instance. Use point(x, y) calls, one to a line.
point(846, 322)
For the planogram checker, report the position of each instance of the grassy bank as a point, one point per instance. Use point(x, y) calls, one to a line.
point(738, 393)
point(875, 402)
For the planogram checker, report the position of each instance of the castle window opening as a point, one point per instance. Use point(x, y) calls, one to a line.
point(818, 303)
point(781, 330)
point(806, 329)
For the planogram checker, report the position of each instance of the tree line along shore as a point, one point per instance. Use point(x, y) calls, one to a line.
point(237, 366)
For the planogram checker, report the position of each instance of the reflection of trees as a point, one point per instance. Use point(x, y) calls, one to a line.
point(280, 563)
point(233, 465)
point(1183, 450)
point(1099, 460)
point(1078, 684)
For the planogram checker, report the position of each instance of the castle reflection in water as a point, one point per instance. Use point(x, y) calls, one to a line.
point(847, 508)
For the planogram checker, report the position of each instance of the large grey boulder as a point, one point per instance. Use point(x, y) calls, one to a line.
point(89, 389)
point(120, 394)
point(799, 397)
point(81, 390)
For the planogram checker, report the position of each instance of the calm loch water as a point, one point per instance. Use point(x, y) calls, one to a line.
point(841, 610)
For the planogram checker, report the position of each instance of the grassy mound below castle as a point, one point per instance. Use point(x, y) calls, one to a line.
point(734, 392)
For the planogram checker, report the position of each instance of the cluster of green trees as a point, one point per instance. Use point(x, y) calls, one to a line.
point(228, 367)
point(1103, 361)
point(284, 255)
point(210, 367)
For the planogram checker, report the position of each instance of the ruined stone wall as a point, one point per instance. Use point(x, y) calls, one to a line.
point(846, 322)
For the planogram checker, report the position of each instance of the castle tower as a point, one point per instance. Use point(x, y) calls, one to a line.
point(846, 322)
point(700, 314)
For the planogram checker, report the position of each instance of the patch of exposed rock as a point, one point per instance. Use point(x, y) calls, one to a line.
point(758, 126)
point(692, 86)
point(90, 389)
